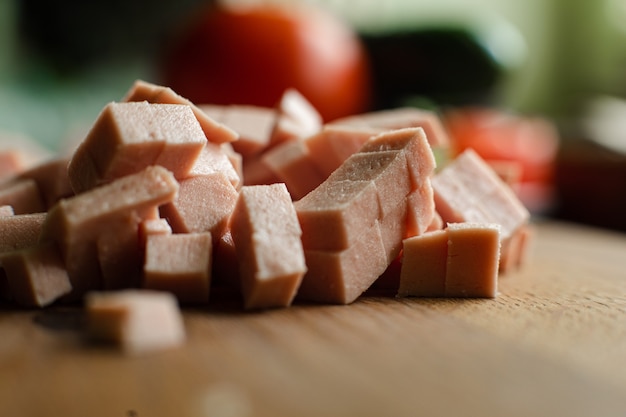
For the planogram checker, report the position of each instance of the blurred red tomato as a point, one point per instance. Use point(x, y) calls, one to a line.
point(499, 136)
point(250, 55)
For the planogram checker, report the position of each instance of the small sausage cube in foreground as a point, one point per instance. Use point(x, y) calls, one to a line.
point(459, 261)
point(138, 321)
point(180, 264)
point(266, 234)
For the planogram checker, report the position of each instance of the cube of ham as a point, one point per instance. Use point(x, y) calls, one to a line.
point(266, 233)
point(340, 277)
point(469, 190)
point(459, 261)
point(179, 264)
point(128, 137)
point(364, 204)
point(137, 321)
point(151, 227)
point(204, 204)
point(387, 170)
point(216, 159)
point(337, 213)
point(52, 180)
point(400, 118)
point(36, 276)
point(297, 118)
point(23, 195)
point(424, 262)
point(473, 257)
point(291, 162)
point(76, 223)
point(253, 124)
point(421, 213)
point(144, 91)
point(412, 142)
point(332, 145)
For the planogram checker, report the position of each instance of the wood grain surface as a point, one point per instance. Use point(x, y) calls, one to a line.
point(553, 343)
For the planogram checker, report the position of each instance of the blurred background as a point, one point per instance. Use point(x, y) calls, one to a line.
point(563, 62)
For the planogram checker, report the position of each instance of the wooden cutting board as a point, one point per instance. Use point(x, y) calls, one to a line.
point(553, 343)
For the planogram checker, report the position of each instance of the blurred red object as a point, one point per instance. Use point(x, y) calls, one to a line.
point(252, 54)
point(499, 136)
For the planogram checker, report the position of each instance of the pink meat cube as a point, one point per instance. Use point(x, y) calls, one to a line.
point(128, 137)
point(291, 163)
point(400, 118)
point(179, 264)
point(337, 213)
point(76, 223)
point(137, 321)
point(253, 124)
point(215, 132)
point(424, 264)
point(332, 145)
point(459, 261)
point(473, 257)
point(204, 204)
point(215, 159)
point(340, 277)
point(297, 118)
point(266, 232)
point(150, 227)
point(421, 209)
point(52, 180)
point(468, 190)
point(414, 145)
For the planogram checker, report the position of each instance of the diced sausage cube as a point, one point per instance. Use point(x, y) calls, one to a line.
point(180, 264)
point(337, 213)
point(332, 145)
point(413, 144)
point(340, 277)
point(143, 91)
point(76, 223)
point(36, 276)
point(253, 124)
point(473, 257)
point(215, 159)
point(128, 137)
point(297, 118)
point(400, 118)
point(468, 190)
point(291, 163)
point(150, 227)
point(137, 321)
point(52, 180)
point(424, 264)
point(387, 170)
point(204, 204)
point(266, 232)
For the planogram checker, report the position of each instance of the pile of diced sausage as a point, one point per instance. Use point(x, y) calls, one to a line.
point(163, 200)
